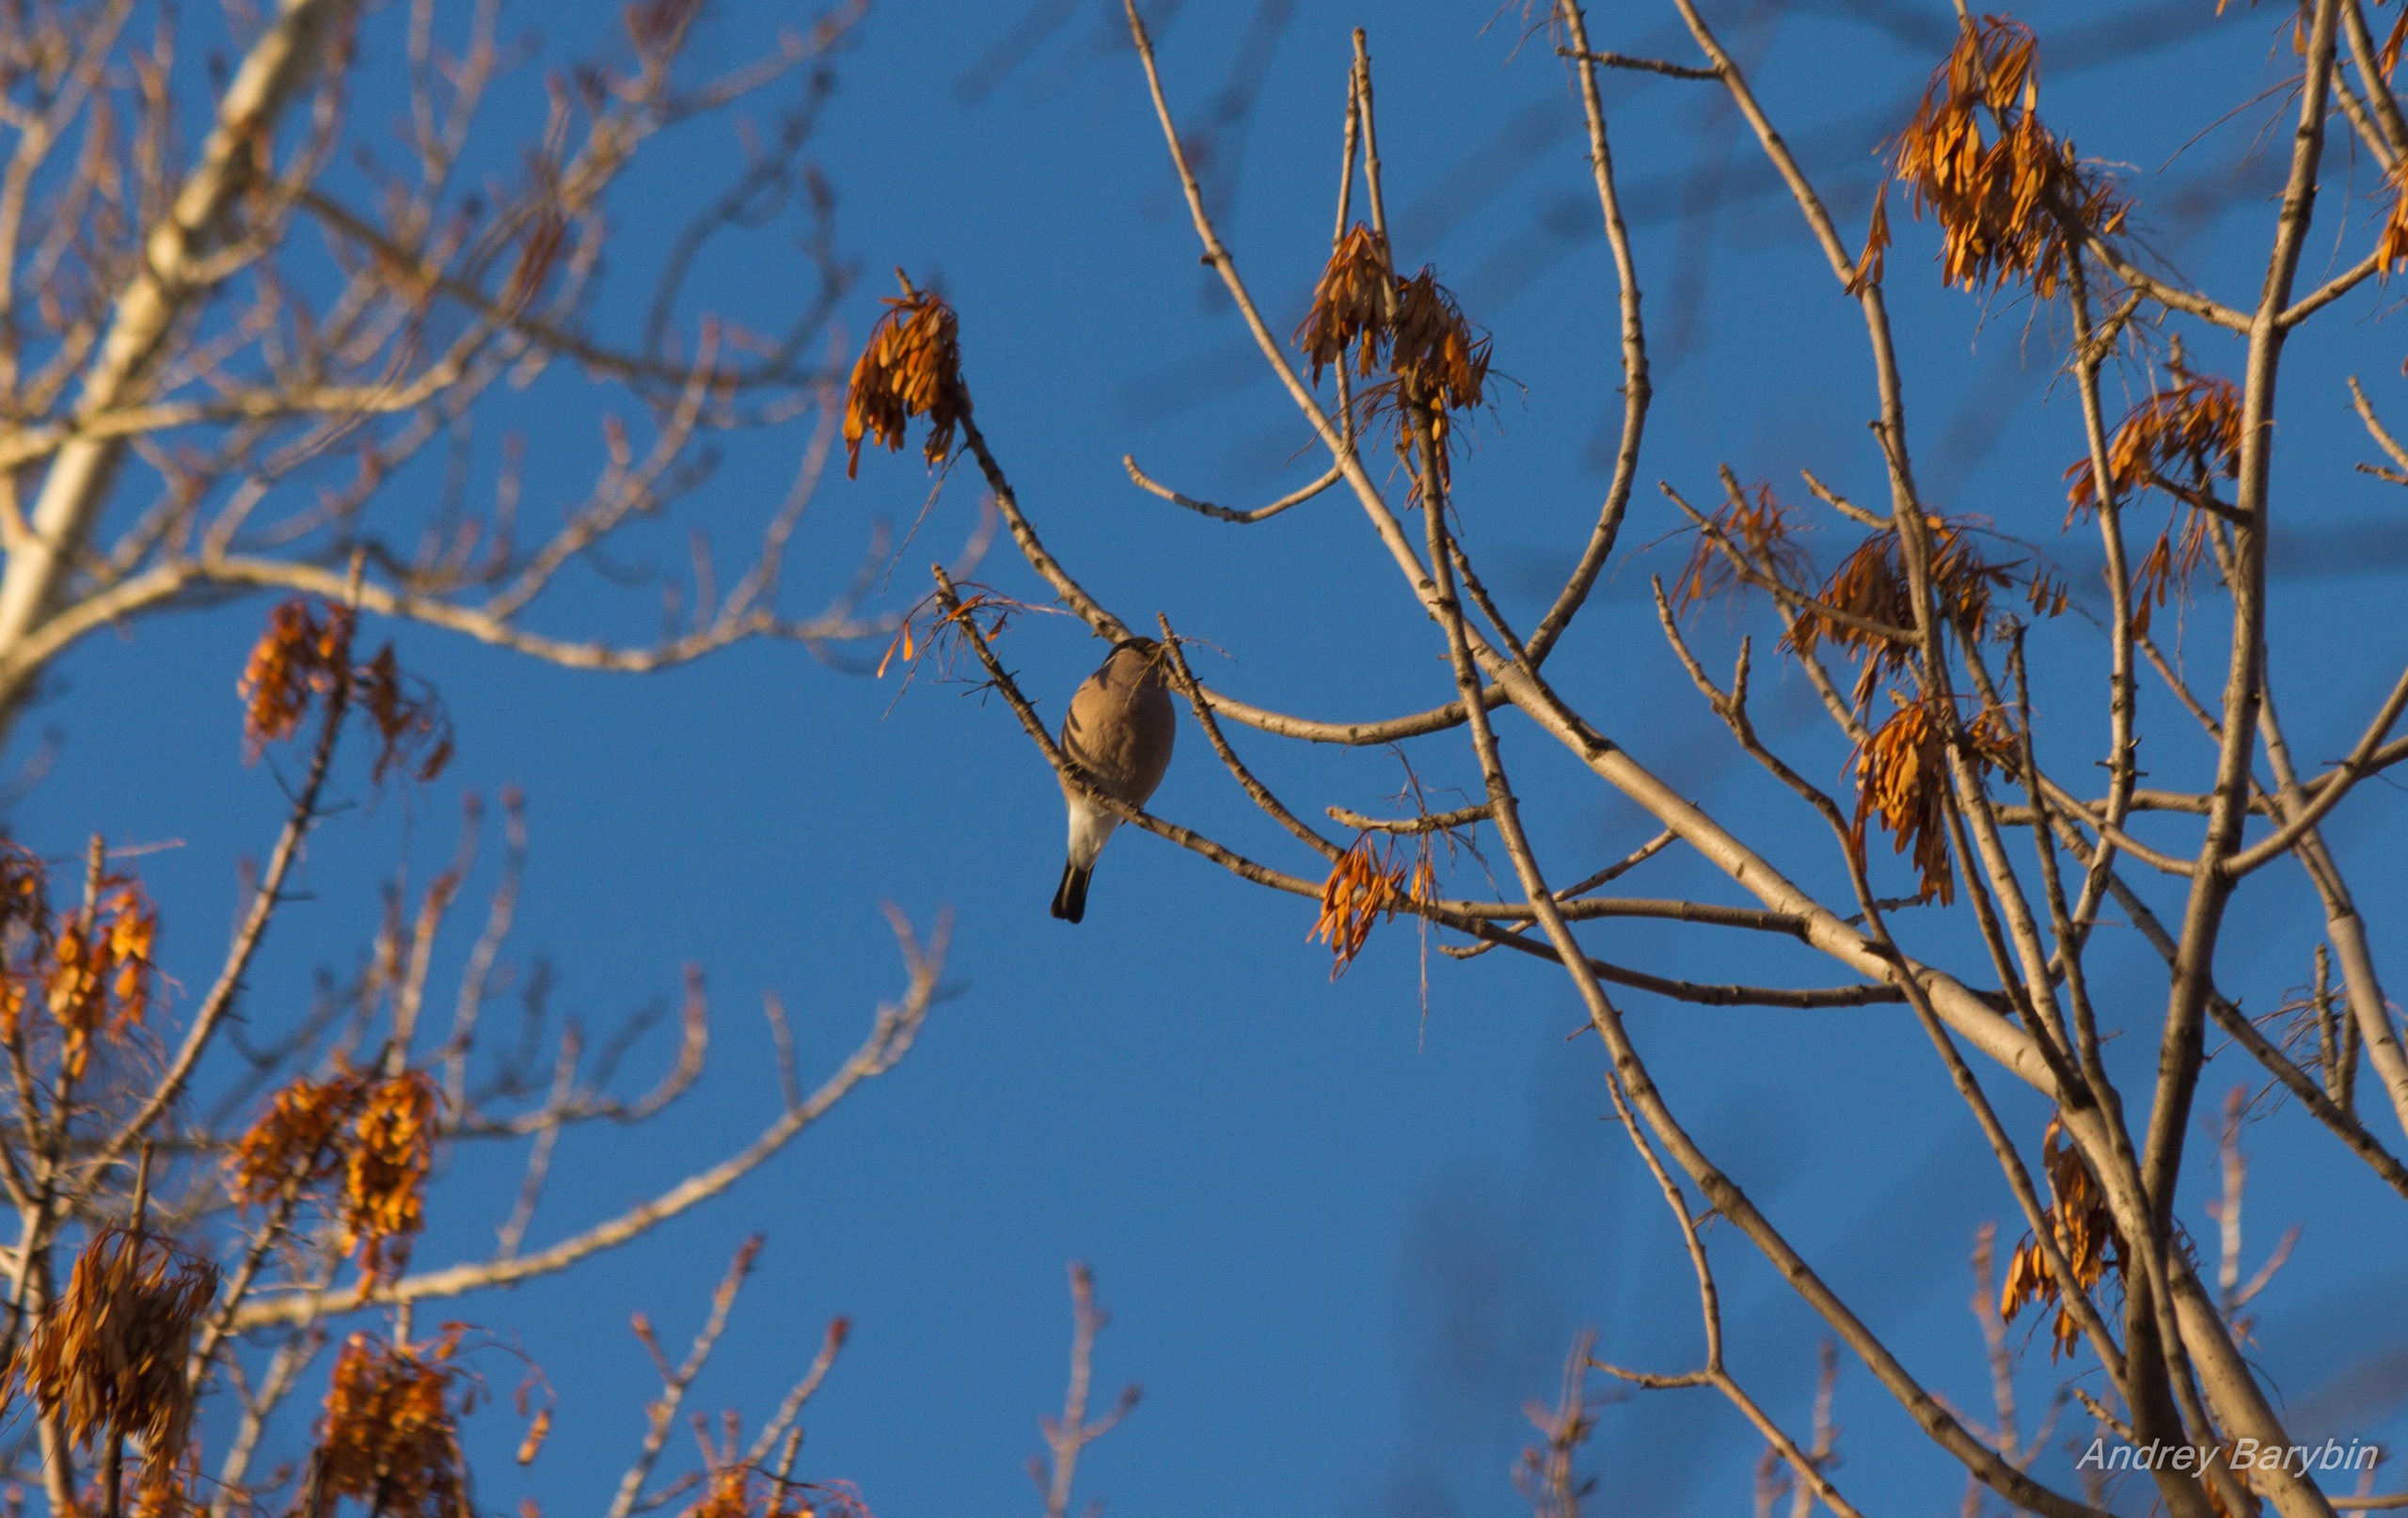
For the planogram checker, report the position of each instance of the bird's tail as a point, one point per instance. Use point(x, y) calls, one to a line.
point(1070, 901)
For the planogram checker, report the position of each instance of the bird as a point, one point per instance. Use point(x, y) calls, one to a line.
point(1119, 730)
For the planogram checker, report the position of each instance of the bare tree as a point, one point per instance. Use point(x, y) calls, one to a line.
point(217, 364)
point(2011, 862)
point(228, 1201)
point(257, 365)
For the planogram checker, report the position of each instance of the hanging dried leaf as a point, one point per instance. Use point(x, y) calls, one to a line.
point(1440, 362)
point(911, 367)
point(2193, 427)
point(1350, 307)
point(537, 1431)
point(107, 1360)
point(385, 1170)
point(172, 1492)
point(296, 1138)
point(1434, 348)
point(1762, 526)
point(1871, 585)
point(2084, 1231)
point(1902, 776)
point(27, 933)
point(2001, 203)
point(738, 1491)
point(928, 629)
point(1369, 880)
point(389, 1438)
point(730, 1493)
point(101, 981)
point(305, 652)
point(1436, 360)
point(377, 1134)
point(411, 724)
point(1874, 258)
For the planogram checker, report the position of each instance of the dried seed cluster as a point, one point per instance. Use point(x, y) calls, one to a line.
point(2005, 202)
point(1760, 525)
point(1436, 360)
point(1369, 880)
point(1866, 609)
point(1901, 777)
point(2195, 422)
point(376, 1135)
point(107, 1359)
point(89, 972)
point(910, 368)
point(389, 1439)
point(1872, 585)
point(305, 655)
point(2191, 429)
point(2085, 1232)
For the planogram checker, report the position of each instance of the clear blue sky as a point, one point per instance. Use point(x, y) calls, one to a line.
point(1343, 1234)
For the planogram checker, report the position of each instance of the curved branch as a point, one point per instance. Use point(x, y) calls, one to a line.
point(1353, 735)
point(158, 586)
point(2381, 434)
point(1636, 390)
point(1816, 999)
point(890, 1039)
point(1462, 816)
point(2339, 782)
point(1261, 513)
point(1271, 804)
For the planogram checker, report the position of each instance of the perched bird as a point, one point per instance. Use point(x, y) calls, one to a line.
point(1119, 730)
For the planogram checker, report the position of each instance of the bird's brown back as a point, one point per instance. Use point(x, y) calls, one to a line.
point(1121, 724)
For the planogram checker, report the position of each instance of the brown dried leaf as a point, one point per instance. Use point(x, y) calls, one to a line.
point(377, 1134)
point(728, 1493)
point(1903, 776)
point(737, 1491)
point(1871, 585)
point(296, 1138)
point(911, 367)
point(1369, 879)
point(1434, 348)
point(1999, 203)
point(2085, 1232)
point(1350, 306)
point(101, 981)
point(411, 724)
point(1871, 263)
point(27, 931)
point(385, 1170)
point(107, 1359)
point(533, 1445)
point(2195, 423)
point(302, 656)
point(2193, 428)
point(1762, 526)
point(389, 1438)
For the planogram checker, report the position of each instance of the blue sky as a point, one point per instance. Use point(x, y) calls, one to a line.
point(1344, 1232)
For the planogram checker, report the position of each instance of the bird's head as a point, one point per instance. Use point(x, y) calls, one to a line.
point(1138, 659)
